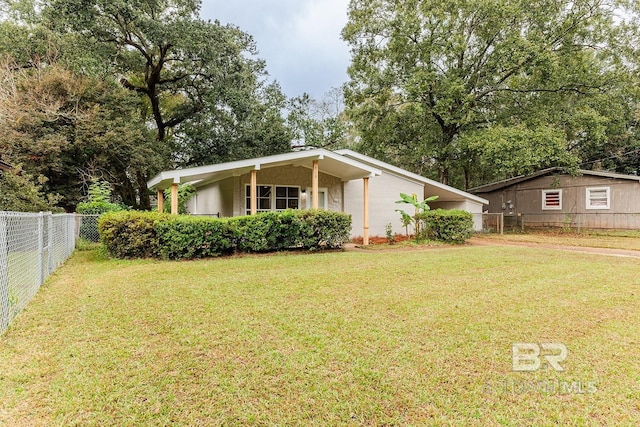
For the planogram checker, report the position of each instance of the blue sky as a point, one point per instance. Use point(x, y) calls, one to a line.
point(299, 39)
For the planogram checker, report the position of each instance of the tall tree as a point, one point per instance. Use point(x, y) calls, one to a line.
point(461, 66)
point(181, 64)
point(72, 129)
point(320, 123)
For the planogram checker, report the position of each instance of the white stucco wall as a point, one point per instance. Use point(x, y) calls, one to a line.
point(384, 190)
point(212, 199)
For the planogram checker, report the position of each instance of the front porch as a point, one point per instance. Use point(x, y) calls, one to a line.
point(312, 179)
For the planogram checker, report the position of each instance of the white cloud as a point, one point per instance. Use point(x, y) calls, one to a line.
point(300, 40)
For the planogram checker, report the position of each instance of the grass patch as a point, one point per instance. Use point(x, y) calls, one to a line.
point(623, 239)
point(355, 338)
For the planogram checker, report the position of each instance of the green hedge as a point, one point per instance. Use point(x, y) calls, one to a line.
point(448, 225)
point(130, 234)
point(149, 234)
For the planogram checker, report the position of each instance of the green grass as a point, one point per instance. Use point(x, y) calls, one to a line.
point(629, 239)
point(356, 338)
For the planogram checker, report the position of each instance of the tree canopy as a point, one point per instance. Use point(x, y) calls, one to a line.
point(458, 84)
point(118, 90)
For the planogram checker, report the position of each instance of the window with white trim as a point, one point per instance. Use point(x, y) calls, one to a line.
point(273, 198)
point(598, 198)
point(551, 199)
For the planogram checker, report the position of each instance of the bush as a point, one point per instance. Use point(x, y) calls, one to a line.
point(292, 229)
point(149, 234)
point(453, 226)
point(130, 234)
point(185, 237)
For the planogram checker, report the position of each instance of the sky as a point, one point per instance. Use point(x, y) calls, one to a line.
point(299, 39)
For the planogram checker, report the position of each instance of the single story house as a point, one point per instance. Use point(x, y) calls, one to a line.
point(553, 198)
point(343, 181)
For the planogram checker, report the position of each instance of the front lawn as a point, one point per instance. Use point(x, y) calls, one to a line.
point(354, 338)
point(629, 240)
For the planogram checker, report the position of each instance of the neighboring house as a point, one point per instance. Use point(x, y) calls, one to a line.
point(551, 197)
point(5, 166)
point(343, 181)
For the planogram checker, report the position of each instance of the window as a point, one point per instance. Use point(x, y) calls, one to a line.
point(551, 199)
point(287, 198)
point(268, 199)
point(598, 198)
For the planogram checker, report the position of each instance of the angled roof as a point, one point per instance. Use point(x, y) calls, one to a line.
point(487, 188)
point(5, 165)
point(330, 163)
point(443, 191)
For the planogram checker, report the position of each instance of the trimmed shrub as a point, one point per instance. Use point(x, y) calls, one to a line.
point(149, 234)
point(325, 229)
point(186, 237)
point(292, 229)
point(130, 234)
point(448, 225)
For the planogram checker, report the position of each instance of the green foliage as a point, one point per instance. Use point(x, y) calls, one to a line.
point(187, 237)
point(426, 73)
point(517, 150)
point(185, 192)
point(149, 234)
point(419, 207)
point(203, 88)
point(319, 123)
point(21, 193)
point(388, 230)
point(68, 127)
point(98, 200)
point(453, 226)
point(130, 234)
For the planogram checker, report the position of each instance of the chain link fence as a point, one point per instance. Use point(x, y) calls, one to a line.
point(32, 246)
point(87, 228)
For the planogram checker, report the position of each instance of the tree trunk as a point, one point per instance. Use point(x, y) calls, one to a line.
point(143, 192)
point(443, 175)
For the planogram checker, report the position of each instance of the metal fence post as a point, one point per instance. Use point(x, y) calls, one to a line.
point(50, 243)
point(4, 275)
point(41, 246)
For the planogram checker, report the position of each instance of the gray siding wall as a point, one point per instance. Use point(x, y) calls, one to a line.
point(384, 190)
point(526, 199)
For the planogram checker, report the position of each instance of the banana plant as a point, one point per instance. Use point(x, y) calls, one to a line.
point(419, 207)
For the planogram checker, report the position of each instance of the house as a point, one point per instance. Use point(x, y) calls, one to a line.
point(342, 180)
point(553, 198)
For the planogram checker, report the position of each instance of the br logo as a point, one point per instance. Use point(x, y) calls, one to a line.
point(532, 356)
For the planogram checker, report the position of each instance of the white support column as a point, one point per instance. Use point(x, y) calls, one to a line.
point(253, 204)
point(314, 185)
point(365, 231)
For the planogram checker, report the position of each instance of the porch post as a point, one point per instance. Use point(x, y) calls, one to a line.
point(314, 186)
point(160, 200)
point(365, 231)
point(254, 192)
point(174, 199)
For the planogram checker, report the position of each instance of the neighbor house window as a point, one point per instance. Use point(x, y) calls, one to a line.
point(274, 197)
point(598, 198)
point(551, 199)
